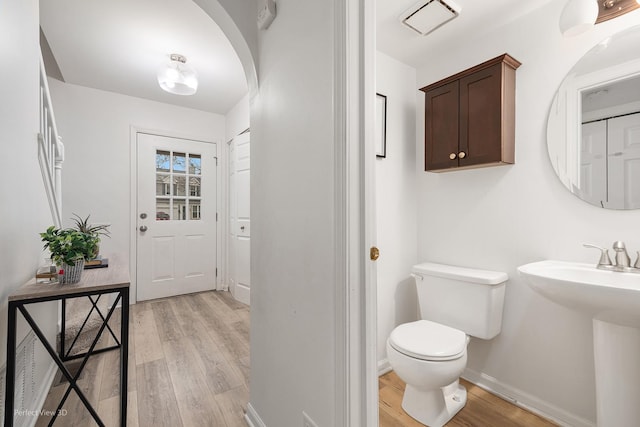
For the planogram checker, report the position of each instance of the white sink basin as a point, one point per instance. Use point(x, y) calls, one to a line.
point(612, 299)
point(607, 295)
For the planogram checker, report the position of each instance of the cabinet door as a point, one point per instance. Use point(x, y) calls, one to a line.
point(441, 127)
point(481, 116)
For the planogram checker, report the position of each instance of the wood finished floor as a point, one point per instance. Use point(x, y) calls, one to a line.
point(483, 409)
point(188, 366)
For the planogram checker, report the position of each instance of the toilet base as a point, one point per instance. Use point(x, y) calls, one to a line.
point(434, 408)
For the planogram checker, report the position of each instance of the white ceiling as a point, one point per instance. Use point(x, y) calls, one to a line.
point(476, 18)
point(611, 95)
point(118, 46)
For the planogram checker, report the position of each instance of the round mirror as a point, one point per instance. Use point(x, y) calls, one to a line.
point(593, 133)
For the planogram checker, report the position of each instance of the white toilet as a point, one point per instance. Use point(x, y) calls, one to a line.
point(429, 355)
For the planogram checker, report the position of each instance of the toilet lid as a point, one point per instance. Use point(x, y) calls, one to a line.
point(428, 340)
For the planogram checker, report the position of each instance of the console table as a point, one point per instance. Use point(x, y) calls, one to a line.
point(94, 283)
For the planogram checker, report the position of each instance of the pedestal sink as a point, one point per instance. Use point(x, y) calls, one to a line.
point(612, 299)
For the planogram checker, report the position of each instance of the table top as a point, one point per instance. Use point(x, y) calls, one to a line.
point(116, 276)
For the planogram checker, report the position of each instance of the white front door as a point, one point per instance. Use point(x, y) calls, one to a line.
point(176, 216)
point(239, 218)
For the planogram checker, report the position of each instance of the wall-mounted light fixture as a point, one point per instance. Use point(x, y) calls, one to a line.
point(578, 16)
point(177, 77)
point(610, 9)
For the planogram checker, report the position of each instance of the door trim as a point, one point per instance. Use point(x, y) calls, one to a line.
point(133, 201)
point(356, 394)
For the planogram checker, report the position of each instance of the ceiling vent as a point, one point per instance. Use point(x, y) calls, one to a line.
point(428, 15)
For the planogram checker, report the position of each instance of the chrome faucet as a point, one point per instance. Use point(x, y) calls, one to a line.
point(605, 262)
point(622, 257)
point(623, 262)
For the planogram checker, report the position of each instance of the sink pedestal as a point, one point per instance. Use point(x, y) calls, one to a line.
point(617, 369)
point(612, 300)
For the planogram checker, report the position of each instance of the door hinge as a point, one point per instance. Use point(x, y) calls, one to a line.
point(216, 271)
point(216, 216)
point(216, 161)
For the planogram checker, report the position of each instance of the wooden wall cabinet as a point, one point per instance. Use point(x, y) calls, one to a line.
point(470, 117)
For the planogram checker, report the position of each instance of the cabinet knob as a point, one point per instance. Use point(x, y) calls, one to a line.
point(452, 156)
point(462, 154)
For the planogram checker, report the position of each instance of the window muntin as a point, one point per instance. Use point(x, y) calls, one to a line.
point(178, 186)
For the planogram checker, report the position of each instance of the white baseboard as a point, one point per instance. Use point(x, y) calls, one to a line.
point(242, 293)
point(252, 418)
point(526, 401)
point(383, 367)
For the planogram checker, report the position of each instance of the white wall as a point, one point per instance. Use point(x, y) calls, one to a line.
point(396, 202)
point(499, 218)
point(237, 19)
point(96, 128)
point(292, 207)
point(24, 211)
point(237, 119)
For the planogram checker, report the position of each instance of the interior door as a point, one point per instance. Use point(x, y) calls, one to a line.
point(593, 163)
point(624, 161)
point(176, 216)
point(239, 218)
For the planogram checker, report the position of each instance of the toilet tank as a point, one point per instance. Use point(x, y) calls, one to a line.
point(464, 298)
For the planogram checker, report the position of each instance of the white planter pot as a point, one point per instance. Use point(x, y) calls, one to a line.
point(71, 273)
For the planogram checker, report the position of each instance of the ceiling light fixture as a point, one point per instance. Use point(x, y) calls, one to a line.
point(578, 16)
point(177, 77)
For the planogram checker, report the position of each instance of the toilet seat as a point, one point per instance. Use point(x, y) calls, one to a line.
point(428, 340)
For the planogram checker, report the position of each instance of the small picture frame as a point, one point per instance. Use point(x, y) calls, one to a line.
point(381, 126)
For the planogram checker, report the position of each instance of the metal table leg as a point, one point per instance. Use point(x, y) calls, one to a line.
point(11, 366)
point(124, 355)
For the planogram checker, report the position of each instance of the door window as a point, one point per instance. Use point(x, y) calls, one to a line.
point(178, 186)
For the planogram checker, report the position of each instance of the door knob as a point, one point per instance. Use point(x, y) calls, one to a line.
point(374, 253)
point(242, 228)
point(143, 228)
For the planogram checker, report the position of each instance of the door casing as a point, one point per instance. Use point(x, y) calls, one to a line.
point(133, 258)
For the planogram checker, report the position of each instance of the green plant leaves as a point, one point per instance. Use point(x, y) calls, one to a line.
point(84, 226)
point(68, 245)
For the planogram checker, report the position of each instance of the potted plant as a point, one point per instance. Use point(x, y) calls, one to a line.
point(95, 231)
point(69, 249)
